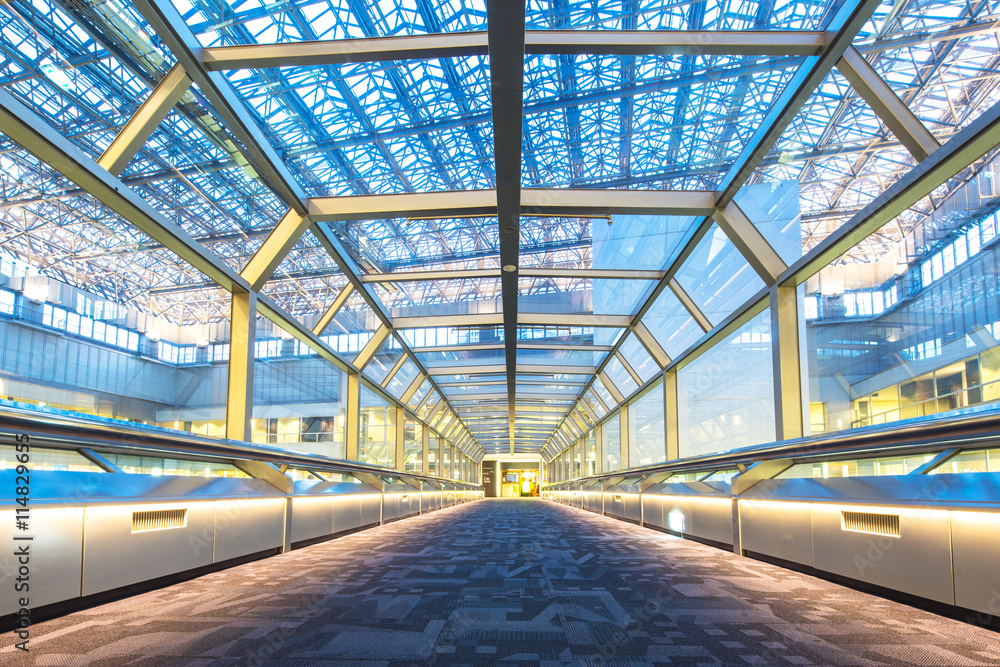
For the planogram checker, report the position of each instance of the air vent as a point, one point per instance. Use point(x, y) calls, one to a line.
point(143, 522)
point(873, 524)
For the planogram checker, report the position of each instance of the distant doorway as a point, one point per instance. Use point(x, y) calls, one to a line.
point(519, 484)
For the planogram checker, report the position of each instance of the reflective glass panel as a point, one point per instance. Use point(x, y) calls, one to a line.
point(874, 467)
point(716, 276)
point(671, 324)
point(44, 458)
point(154, 465)
point(377, 438)
point(413, 447)
point(612, 443)
point(299, 397)
point(978, 460)
point(890, 339)
point(718, 414)
point(647, 437)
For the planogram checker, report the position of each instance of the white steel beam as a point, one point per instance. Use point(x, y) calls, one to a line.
point(371, 347)
point(395, 369)
point(334, 308)
point(420, 276)
point(648, 341)
point(410, 204)
point(537, 201)
point(524, 272)
point(788, 407)
point(412, 389)
point(556, 369)
point(341, 51)
point(593, 274)
point(611, 387)
point(690, 305)
point(239, 394)
point(275, 247)
point(536, 42)
point(573, 320)
point(628, 367)
point(480, 369)
point(750, 242)
point(431, 321)
point(891, 110)
point(673, 42)
point(570, 201)
point(145, 120)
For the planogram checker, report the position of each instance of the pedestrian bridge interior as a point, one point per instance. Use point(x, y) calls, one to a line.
point(289, 291)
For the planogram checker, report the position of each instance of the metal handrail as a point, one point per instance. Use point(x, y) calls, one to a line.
point(972, 427)
point(72, 432)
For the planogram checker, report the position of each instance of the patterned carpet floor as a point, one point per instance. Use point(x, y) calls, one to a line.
point(511, 582)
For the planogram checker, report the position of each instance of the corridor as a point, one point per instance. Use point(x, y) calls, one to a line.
point(506, 581)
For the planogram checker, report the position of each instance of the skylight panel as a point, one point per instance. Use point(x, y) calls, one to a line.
point(717, 277)
point(610, 120)
point(676, 15)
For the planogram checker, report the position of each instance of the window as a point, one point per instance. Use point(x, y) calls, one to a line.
point(177, 354)
point(613, 443)
point(647, 437)
point(7, 300)
point(85, 327)
point(268, 349)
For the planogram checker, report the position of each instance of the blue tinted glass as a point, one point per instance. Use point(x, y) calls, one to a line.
point(717, 277)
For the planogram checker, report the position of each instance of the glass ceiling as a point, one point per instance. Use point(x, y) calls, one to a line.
point(678, 121)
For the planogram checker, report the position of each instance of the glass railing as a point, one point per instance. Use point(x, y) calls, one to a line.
point(974, 460)
point(873, 467)
point(962, 398)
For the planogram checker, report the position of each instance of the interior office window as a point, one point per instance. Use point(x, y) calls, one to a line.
point(7, 300)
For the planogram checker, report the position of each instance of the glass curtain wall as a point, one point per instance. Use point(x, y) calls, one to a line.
point(894, 341)
point(377, 430)
point(719, 412)
point(433, 454)
point(66, 349)
point(612, 432)
point(299, 398)
point(647, 437)
point(413, 446)
point(590, 452)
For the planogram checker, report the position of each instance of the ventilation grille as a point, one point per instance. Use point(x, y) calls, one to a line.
point(158, 520)
point(874, 524)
